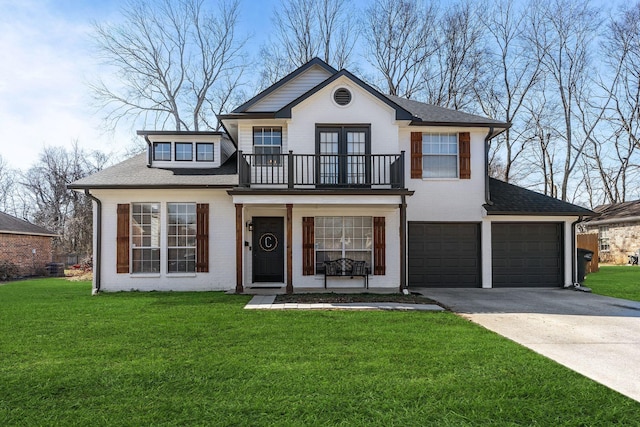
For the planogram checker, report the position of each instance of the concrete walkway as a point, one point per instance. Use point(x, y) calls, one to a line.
point(267, 302)
point(596, 336)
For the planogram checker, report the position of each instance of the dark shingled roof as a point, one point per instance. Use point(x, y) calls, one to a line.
point(618, 211)
point(134, 173)
point(428, 114)
point(12, 225)
point(509, 199)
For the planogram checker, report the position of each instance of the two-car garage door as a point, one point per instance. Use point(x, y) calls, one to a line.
point(448, 254)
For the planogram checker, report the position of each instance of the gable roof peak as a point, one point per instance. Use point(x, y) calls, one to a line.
point(292, 75)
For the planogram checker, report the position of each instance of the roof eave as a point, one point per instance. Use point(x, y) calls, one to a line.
point(532, 213)
point(176, 132)
point(150, 186)
point(498, 125)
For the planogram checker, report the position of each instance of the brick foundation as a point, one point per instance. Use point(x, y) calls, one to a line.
point(18, 249)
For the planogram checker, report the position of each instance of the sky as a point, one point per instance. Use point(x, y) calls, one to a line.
point(46, 64)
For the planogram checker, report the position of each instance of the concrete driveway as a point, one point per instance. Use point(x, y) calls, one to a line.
point(597, 336)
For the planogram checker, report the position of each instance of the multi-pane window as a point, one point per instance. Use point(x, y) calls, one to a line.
point(204, 152)
point(329, 159)
point(267, 144)
point(439, 155)
point(145, 237)
point(162, 151)
point(603, 238)
point(184, 151)
point(343, 237)
point(181, 237)
point(356, 159)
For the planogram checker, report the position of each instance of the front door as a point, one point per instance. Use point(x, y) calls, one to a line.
point(343, 153)
point(268, 249)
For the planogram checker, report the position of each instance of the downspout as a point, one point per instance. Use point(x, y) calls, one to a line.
point(487, 194)
point(574, 261)
point(98, 255)
point(149, 150)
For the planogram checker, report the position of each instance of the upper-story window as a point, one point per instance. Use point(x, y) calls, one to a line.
point(267, 144)
point(204, 152)
point(184, 151)
point(162, 151)
point(439, 155)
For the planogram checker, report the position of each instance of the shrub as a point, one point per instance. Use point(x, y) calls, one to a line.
point(8, 270)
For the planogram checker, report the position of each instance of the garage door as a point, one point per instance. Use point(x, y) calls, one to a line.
point(444, 255)
point(527, 254)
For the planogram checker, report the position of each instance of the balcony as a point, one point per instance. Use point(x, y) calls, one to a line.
point(321, 171)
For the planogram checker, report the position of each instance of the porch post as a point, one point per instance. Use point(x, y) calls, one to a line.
point(239, 246)
point(403, 243)
point(289, 248)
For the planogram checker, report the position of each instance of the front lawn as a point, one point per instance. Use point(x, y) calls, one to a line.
point(68, 358)
point(616, 281)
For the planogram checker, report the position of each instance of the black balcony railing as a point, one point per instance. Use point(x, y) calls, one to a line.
point(321, 170)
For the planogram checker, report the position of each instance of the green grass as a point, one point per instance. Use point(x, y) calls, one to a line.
point(616, 281)
point(67, 358)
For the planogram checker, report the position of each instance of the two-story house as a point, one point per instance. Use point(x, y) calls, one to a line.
point(317, 167)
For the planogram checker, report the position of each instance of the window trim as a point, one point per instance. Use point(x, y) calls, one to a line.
point(213, 151)
point(343, 250)
point(151, 247)
point(155, 144)
point(175, 151)
point(187, 236)
point(457, 156)
point(604, 239)
point(257, 155)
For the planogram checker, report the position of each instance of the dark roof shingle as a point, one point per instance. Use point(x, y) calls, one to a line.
point(618, 211)
point(433, 114)
point(134, 173)
point(12, 225)
point(509, 199)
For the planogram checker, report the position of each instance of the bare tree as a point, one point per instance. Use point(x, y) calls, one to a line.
point(515, 74)
point(57, 208)
point(561, 33)
point(306, 29)
point(400, 39)
point(169, 57)
point(7, 187)
point(459, 63)
point(614, 152)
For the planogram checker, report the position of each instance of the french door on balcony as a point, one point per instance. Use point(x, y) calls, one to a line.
point(342, 155)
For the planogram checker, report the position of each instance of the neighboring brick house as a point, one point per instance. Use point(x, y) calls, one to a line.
point(25, 245)
point(618, 229)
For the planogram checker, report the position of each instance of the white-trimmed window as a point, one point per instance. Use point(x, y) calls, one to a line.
point(267, 144)
point(343, 237)
point(145, 237)
point(603, 238)
point(440, 155)
point(181, 237)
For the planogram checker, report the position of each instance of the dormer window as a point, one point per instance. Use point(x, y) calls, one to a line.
point(204, 152)
point(184, 151)
point(162, 151)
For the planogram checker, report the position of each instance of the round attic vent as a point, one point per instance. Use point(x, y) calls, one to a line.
point(342, 96)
